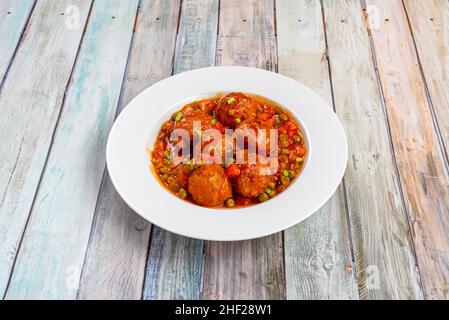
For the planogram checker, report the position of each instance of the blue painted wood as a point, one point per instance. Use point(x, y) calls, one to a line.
point(13, 17)
point(174, 269)
point(377, 214)
point(30, 103)
point(252, 269)
point(118, 248)
point(53, 249)
point(318, 262)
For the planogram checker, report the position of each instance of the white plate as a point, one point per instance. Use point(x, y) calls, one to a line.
point(136, 128)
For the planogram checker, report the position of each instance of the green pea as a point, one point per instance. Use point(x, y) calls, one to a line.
point(297, 138)
point(263, 197)
point(214, 121)
point(182, 193)
point(285, 180)
point(299, 160)
point(230, 202)
point(238, 120)
point(268, 191)
point(285, 173)
point(171, 180)
point(272, 185)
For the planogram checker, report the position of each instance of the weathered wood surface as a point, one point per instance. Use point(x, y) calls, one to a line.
point(14, 15)
point(245, 269)
point(52, 252)
point(116, 257)
point(30, 107)
point(175, 263)
point(429, 21)
point(65, 233)
point(419, 156)
point(383, 249)
point(318, 262)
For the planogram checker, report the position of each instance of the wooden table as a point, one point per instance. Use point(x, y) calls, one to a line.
point(68, 67)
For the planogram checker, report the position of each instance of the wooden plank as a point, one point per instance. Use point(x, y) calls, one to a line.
point(429, 21)
point(14, 16)
point(30, 103)
point(378, 217)
point(422, 169)
point(318, 262)
point(117, 253)
point(54, 245)
point(174, 267)
point(245, 269)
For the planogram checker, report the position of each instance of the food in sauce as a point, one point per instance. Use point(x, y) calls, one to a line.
point(249, 166)
point(253, 179)
point(209, 186)
point(234, 108)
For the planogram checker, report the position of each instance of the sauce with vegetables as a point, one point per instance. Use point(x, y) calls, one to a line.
point(232, 179)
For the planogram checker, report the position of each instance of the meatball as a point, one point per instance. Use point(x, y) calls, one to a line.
point(234, 108)
point(209, 186)
point(253, 179)
point(186, 118)
point(256, 133)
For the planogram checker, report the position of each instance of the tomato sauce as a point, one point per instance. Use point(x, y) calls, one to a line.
point(231, 111)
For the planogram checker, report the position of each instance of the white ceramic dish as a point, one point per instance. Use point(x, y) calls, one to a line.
point(136, 128)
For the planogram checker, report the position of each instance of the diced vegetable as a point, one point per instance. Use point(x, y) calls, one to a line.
point(285, 180)
point(182, 193)
point(230, 202)
point(214, 121)
point(231, 100)
point(302, 151)
point(263, 116)
point(233, 171)
point(238, 120)
point(178, 116)
point(263, 197)
point(283, 139)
